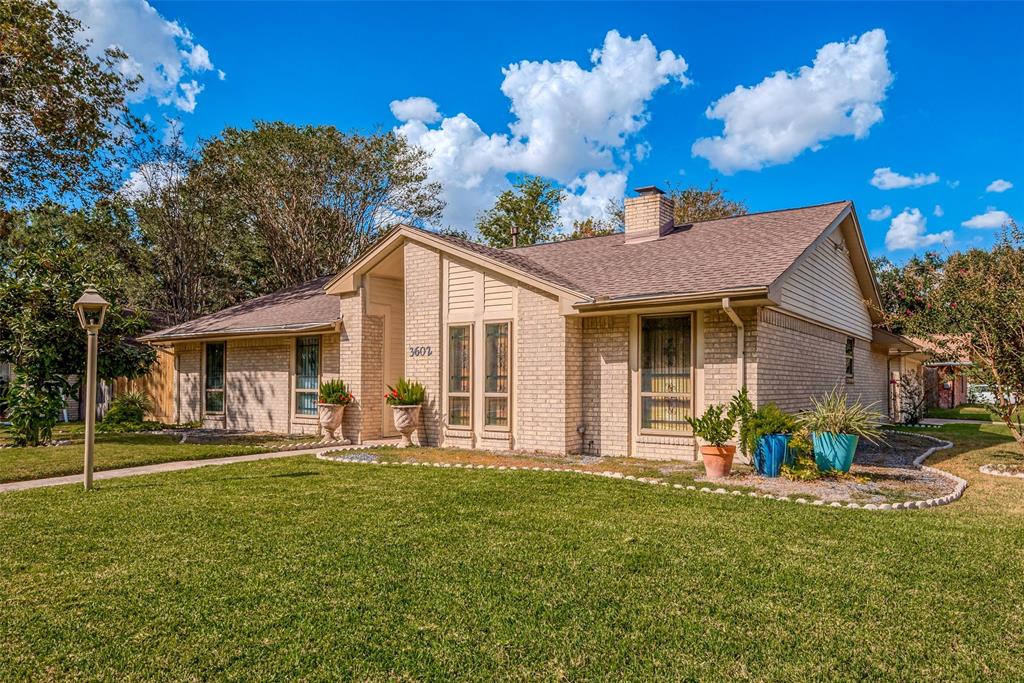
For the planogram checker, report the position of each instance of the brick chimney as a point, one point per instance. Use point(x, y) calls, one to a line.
point(649, 215)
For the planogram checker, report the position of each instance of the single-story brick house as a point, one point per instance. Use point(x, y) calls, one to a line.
point(602, 345)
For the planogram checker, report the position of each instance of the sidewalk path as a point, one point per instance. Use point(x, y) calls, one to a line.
point(952, 421)
point(176, 466)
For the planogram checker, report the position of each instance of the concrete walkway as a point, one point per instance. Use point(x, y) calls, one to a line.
point(952, 421)
point(177, 466)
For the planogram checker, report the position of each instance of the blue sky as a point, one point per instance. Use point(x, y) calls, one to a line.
point(933, 92)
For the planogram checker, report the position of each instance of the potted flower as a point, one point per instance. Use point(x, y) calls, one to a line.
point(836, 426)
point(406, 398)
point(766, 434)
point(334, 396)
point(715, 427)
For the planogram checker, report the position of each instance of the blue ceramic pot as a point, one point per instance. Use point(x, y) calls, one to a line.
point(834, 452)
point(771, 454)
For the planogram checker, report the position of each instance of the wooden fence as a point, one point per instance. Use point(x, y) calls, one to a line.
point(158, 385)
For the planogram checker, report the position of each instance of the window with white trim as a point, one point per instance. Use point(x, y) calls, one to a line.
point(213, 387)
point(497, 380)
point(850, 343)
point(666, 372)
point(307, 374)
point(460, 375)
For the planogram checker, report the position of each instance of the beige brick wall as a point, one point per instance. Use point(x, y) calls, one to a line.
point(423, 328)
point(189, 364)
point(258, 384)
point(720, 367)
point(548, 405)
point(605, 370)
point(798, 359)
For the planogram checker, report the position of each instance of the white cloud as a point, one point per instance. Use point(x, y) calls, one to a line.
point(908, 230)
point(588, 196)
point(938, 212)
point(161, 51)
point(888, 179)
point(953, 184)
point(880, 214)
point(999, 186)
point(572, 124)
point(415, 109)
point(785, 114)
point(992, 218)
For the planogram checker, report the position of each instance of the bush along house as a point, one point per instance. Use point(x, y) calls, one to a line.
point(603, 345)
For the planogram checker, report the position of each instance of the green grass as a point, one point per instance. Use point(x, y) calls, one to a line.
point(301, 569)
point(964, 412)
point(119, 450)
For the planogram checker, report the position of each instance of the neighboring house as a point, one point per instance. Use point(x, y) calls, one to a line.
point(72, 404)
point(604, 345)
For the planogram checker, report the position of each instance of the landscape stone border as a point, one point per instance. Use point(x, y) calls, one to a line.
point(993, 470)
point(960, 484)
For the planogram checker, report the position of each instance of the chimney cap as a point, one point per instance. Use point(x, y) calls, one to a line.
point(649, 189)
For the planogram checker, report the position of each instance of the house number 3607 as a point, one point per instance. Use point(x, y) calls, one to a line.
point(417, 351)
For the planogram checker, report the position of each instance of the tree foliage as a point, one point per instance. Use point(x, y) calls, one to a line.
point(591, 227)
point(971, 307)
point(530, 206)
point(310, 199)
point(695, 204)
point(44, 267)
point(904, 289)
point(63, 118)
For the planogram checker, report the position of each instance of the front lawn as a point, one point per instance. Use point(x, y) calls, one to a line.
point(121, 450)
point(965, 412)
point(304, 569)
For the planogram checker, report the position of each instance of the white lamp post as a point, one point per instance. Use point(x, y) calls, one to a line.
point(90, 308)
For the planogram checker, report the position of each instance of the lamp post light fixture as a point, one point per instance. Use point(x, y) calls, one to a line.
point(91, 309)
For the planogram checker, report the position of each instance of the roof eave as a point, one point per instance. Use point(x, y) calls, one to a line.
point(263, 331)
point(740, 295)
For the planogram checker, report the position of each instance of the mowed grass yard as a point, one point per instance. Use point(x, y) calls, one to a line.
point(303, 569)
point(119, 450)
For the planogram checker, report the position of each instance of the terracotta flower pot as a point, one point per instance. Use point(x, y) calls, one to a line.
point(331, 416)
point(717, 460)
point(407, 420)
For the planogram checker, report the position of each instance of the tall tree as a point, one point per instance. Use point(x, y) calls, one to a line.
point(695, 204)
point(44, 267)
point(591, 227)
point(972, 307)
point(904, 289)
point(313, 198)
point(63, 117)
point(530, 207)
point(198, 257)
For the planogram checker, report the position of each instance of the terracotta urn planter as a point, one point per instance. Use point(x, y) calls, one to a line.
point(717, 460)
point(331, 416)
point(407, 420)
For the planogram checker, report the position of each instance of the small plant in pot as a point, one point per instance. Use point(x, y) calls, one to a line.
point(766, 434)
point(836, 426)
point(334, 396)
point(406, 398)
point(715, 428)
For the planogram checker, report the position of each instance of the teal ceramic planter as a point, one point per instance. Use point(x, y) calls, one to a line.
point(771, 454)
point(834, 452)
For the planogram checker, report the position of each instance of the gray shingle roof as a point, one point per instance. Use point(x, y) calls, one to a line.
point(297, 308)
point(719, 255)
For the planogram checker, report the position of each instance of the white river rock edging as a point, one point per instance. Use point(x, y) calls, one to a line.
point(960, 484)
point(995, 471)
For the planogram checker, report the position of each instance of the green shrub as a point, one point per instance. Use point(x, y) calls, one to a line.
point(129, 407)
point(34, 408)
point(406, 393)
point(335, 392)
point(715, 426)
point(768, 419)
point(834, 414)
point(740, 411)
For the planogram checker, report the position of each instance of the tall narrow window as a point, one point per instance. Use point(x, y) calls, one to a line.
point(307, 374)
point(666, 388)
point(496, 378)
point(214, 386)
point(459, 375)
point(849, 358)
